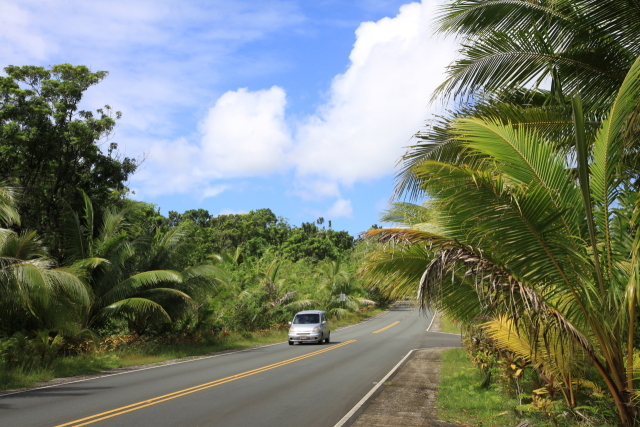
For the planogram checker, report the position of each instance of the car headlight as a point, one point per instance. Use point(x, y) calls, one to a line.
point(316, 329)
point(292, 330)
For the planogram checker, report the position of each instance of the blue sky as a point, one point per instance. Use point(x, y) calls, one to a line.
point(297, 106)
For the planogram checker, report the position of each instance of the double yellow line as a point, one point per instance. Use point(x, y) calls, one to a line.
point(386, 327)
point(143, 404)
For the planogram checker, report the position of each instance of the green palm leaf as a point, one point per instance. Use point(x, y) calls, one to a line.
point(136, 307)
point(137, 282)
point(608, 150)
point(8, 214)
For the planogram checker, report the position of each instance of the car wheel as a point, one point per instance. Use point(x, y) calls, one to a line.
point(327, 339)
point(290, 342)
point(320, 341)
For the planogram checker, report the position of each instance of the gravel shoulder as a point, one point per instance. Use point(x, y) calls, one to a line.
point(409, 397)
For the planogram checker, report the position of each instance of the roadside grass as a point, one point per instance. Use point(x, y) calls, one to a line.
point(353, 318)
point(448, 325)
point(149, 353)
point(460, 399)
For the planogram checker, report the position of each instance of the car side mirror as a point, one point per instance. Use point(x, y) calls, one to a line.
point(324, 322)
point(289, 322)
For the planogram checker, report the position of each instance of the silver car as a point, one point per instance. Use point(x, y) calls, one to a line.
point(309, 326)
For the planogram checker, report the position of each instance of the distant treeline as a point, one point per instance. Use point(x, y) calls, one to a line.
point(259, 231)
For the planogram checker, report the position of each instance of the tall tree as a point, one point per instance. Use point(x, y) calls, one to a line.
point(50, 148)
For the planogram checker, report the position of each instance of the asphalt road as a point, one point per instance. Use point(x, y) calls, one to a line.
point(279, 385)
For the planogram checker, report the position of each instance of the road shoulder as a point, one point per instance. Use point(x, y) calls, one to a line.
point(409, 397)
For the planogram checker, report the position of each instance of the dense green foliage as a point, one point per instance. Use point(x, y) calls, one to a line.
point(49, 148)
point(257, 232)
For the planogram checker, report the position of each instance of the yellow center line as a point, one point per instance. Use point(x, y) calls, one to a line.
point(143, 404)
point(386, 327)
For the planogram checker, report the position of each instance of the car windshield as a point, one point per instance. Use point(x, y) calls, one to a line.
point(306, 319)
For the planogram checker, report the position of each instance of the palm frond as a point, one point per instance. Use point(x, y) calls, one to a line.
point(137, 282)
point(135, 307)
point(8, 213)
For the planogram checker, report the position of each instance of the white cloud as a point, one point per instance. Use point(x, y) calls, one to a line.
point(244, 134)
point(214, 190)
point(341, 208)
point(166, 170)
point(316, 189)
point(382, 99)
point(15, 37)
point(166, 57)
point(371, 113)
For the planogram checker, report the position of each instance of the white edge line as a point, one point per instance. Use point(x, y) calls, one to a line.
point(434, 332)
point(373, 390)
point(432, 319)
point(169, 364)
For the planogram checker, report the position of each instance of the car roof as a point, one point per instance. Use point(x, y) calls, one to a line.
point(310, 312)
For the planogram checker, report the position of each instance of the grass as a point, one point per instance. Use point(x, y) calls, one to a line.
point(448, 325)
point(84, 364)
point(353, 318)
point(460, 400)
point(94, 363)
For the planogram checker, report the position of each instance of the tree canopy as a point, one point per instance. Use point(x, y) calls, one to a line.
point(50, 148)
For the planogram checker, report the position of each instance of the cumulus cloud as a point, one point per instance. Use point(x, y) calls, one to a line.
point(340, 209)
point(316, 189)
point(245, 134)
point(370, 114)
point(160, 53)
point(379, 102)
point(165, 57)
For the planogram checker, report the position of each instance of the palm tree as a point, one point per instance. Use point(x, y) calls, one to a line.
point(131, 275)
point(559, 368)
point(334, 282)
point(543, 237)
point(268, 298)
point(277, 293)
point(8, 213)
point(35, 291)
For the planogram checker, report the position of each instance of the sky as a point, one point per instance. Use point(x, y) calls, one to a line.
point(297, 106)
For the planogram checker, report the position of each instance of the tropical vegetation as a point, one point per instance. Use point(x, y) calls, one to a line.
point(526, 226)
point(85, 270)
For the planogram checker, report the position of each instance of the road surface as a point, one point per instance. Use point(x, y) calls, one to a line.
point(277, 385)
